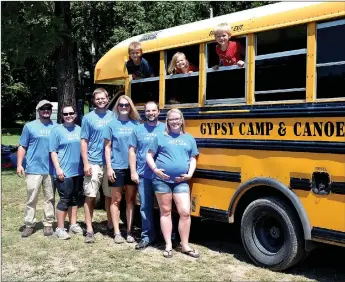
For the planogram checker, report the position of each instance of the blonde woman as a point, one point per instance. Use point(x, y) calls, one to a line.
point(172, 158)
point(116, 140)
point(179, 64)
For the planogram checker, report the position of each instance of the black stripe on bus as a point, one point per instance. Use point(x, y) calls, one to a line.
point(300, 184)
point(273, 145)
point(215, 214)
point(338, 187)
point(328, 235)
point(218, 175)
point(261, 111)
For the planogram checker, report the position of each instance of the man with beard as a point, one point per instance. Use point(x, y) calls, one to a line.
point(92, 152)
point(141, 173)
point(34, 142)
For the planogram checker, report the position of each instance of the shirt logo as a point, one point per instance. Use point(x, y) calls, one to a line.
point(44, 133)
point(178, 142)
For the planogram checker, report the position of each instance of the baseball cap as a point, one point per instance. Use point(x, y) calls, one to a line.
point(42, 103)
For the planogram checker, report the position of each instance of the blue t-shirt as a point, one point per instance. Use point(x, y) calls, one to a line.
point(65, 141)
point(173, 153)
point(92, 128)
point(142, 70)
point(141, 139)
point(35, 139)
point(118, 132)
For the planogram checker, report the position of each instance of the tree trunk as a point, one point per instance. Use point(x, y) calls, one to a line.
point(65, 59)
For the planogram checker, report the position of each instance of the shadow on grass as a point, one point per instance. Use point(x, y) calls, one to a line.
point(325, 263)
point(12, 131)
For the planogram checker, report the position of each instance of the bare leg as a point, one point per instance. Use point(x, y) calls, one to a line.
point(116, 195)
point(73, 216)
point(182, 201)
point(107, 203)
point(131, 193)
point(164, 201)
point(88, 210)
point(61, 215)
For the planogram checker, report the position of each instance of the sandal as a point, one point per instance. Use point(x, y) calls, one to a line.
point(167, 253)
point(192, 253)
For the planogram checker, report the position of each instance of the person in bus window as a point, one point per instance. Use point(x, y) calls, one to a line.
point(137, 66)
point(172, 158)
point(179, 64)
point(229, 52)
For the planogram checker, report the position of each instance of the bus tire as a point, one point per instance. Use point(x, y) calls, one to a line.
point(271, 234)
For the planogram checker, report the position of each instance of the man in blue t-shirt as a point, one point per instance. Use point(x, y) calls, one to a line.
point(141, 173)
point(92, 152)
point(34, 142)
point(137, 66)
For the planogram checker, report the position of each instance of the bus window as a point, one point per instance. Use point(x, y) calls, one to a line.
point(280, 64)
point(182, 88)
point(227, 84)
point(147, 89)
point(330, 59)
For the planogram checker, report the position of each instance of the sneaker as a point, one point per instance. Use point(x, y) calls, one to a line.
point(27, 232)
point(130, 238)
point(118, 239)
point(48, 231)
point(75, 229)
point(142, 245)
point(61, 233)
point(89, 238)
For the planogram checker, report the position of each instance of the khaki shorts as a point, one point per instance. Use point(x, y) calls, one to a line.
point(92, 183)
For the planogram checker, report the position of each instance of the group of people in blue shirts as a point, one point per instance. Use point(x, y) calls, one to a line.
point(114, 150)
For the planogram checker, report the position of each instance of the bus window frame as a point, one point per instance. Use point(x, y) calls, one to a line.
point(278, 55)
point(208, 69)
point(323, 25)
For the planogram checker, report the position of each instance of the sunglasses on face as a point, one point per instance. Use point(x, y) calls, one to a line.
point(46, 109)
point(123, 105)
point(68, 114)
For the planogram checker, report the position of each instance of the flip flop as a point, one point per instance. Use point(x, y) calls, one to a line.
point(192, 253)
point(167, 253)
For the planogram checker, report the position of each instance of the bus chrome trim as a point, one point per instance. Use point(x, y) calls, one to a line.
point(330, 24)
point(339, 63)
point(143, 80)
point(280, 91)
point(281, 54)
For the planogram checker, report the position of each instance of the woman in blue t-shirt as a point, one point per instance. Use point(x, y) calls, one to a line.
point(172, 158)
point(64, 148)
point(116, 141)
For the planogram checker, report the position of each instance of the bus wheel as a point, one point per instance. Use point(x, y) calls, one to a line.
point(271, 234)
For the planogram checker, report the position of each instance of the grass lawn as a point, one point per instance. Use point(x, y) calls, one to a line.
point(10, 136)
point(40, 258)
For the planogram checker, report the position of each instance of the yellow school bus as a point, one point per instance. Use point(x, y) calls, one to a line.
point(271, 134)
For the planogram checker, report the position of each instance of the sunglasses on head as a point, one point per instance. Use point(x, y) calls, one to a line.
point(45, 108)
point(68, 114)
point(124, 105)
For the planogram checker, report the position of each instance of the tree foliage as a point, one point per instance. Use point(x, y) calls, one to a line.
point(35, 36)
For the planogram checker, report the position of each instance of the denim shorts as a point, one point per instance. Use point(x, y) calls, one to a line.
point(165, 187)
point(123, 177)
point(70, 191)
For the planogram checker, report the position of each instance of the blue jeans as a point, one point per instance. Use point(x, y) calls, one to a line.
point(146, 209)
